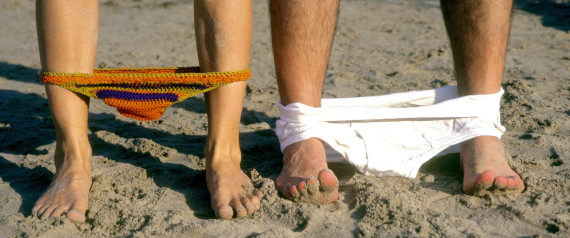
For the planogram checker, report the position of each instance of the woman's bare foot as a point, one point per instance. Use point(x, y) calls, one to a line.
point(485, 167)
point(305, 176)
point(68, 192)
point(232, 193)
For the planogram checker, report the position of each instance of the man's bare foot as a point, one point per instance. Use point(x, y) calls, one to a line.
point(68, 192)
point(485, 167)
point(305, 176)
point(232, 193)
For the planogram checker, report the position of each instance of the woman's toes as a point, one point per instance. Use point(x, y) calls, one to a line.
point(258, 194)
point(41, 210)
point(301, 186)
point(36, 211)
point(47, 212)
point(255, 201)
point(248, 205)
point(75, 215)
point(241, 211)
point(58, 212)
point(224, 212)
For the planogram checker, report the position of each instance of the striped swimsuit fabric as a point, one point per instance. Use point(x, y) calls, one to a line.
point(143, 93)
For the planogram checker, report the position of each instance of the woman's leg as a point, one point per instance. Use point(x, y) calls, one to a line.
point(67, 35)
point(223, 36)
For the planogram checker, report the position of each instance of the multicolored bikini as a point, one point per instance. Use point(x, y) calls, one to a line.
point(143, 93)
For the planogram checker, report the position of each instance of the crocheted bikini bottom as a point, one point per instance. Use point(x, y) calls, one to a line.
point(143, 93)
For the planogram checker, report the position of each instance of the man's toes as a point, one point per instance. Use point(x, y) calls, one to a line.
point(512, 183)
point(328, 180)
point(519, 184)
point(293, 191)
point(486, 179)
point(501, 182)
point(313, 185)
point(223, 212)
point(508, 183)
point(302, 188)
point(285, 190)
point(516, 184)
point(333, 197)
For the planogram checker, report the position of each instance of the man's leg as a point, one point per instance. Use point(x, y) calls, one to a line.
point(302, 34)
point(67, 34)
point(223, 37)
point(478, 31)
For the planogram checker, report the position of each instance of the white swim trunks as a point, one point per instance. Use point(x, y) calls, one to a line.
point(392, 135)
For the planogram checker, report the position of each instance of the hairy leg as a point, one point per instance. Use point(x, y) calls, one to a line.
point(478, 32)
point(223, 36)
point(302, 33)
point(67, 35)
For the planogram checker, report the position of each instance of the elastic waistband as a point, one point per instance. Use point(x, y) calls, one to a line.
point(170, 75)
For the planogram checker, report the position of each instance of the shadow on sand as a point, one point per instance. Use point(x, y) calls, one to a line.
point(554, 13)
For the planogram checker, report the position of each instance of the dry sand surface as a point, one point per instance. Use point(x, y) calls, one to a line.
point(149, 177)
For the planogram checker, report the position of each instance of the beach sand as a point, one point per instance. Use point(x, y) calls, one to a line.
point(149, 178)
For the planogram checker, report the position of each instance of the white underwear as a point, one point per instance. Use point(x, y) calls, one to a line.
point(392, 135)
